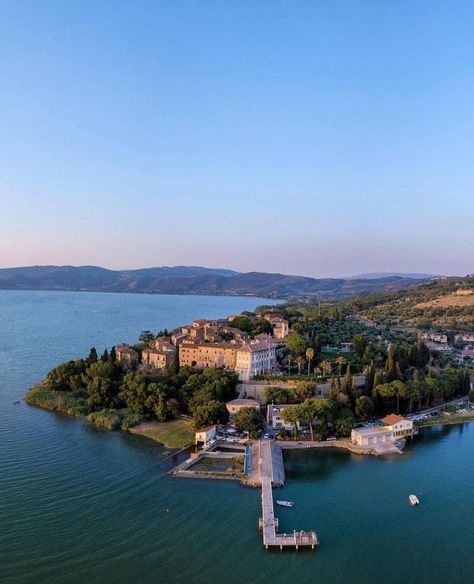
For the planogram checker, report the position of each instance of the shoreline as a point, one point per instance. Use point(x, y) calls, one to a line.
point(171, 434)
point(447, 420)
point(340, 443)
point(135, 430)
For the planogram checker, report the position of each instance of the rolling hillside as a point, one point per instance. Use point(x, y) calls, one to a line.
point(447, 302)
point(191, 280)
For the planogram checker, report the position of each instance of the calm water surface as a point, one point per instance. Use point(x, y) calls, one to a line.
point(79, 505)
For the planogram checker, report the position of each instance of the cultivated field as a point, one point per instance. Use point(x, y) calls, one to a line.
point(447, 301)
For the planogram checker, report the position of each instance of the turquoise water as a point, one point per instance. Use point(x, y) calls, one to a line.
point(78, 504)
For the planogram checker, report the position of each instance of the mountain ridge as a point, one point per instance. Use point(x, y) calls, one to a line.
point(190, 280)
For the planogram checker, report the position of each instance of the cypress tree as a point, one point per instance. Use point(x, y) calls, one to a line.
point(92, 358)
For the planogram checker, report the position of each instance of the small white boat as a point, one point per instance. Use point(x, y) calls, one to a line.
point(414, 500)
point(285, 503)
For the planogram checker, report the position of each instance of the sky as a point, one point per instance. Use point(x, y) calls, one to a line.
point(320, 138)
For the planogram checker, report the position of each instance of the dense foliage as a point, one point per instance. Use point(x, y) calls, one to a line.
point(116, 396)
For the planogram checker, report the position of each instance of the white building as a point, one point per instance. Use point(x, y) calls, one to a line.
point(275, 420)
point(427, 336)
point(256, 358)
point(205, 435)
point(464, 338)
point(390, 429)
point(236, 405)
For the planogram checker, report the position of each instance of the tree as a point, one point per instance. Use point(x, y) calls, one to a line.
point(308, 411)
point(386, 391)
point(134, 391)
point(279, 395)
point(309, 357)
point(157, 401)
point(378, 379)
point(249, 420)
point(369, 378)
point(243, 323)
point(326, 367)
point(340, 361)
point(325, 411)
point(60, 378)
point(364, 407)
point(101, 380)
point(146, 337)
point(400, 391)
point(304, 390)
point(212, 412)
point(360, 342)
point(299, 362)
point(344, 422)
point(92, 358)
point(99, 391)
point(297, 344)
point(291, 416)
point(391, 364)
point(262, 326)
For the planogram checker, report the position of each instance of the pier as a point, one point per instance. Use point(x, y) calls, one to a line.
point(272, 474)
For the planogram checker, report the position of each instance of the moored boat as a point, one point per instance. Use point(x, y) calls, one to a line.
point(414, 500)
point(285, 503)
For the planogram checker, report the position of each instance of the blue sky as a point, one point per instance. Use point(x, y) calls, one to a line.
point(306, 137)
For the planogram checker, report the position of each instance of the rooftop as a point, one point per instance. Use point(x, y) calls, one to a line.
point(206, 428)
point(392, 419)
point(243, 402)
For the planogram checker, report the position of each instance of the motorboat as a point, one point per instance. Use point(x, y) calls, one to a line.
point(285, 503)
point(414, 500)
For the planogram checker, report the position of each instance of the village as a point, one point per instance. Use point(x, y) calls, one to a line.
point(231, 344)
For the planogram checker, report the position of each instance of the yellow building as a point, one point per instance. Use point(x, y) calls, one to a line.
point(204, 355)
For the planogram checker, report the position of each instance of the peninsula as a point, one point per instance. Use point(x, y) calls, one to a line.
point(312, 372)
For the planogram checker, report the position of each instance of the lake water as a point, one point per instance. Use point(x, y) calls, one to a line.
point(81, 505)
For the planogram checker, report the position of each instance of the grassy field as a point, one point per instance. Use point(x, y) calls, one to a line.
point(173, 434)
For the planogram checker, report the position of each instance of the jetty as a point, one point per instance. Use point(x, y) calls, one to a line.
point(272, 473)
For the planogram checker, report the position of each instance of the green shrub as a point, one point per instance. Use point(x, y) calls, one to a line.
point(59, 401)
point(113, 419)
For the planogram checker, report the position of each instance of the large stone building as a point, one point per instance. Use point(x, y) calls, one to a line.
point(280, 326)
point(256, 358)
point(159, 353)
point(202, 355)
point(126, 355)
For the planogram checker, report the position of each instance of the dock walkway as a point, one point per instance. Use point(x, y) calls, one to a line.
point(272, 474)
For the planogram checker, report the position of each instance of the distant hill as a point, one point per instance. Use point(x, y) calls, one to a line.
point(378, 275)
point(439, 302)
point(191, 280)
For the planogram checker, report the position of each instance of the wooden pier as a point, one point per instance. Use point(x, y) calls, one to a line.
point(272, 474)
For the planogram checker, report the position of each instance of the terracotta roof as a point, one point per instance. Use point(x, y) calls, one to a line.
point(127, 350)
point(258, 345)
point(392, 419)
